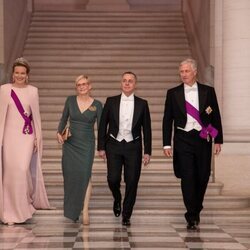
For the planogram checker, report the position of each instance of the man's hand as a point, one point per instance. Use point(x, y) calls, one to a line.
point(168, 152)
point(146, 159)
point(217, 148)
point(102, 154)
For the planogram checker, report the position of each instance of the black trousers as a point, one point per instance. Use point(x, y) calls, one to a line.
point(193, 156)
point(127, 155)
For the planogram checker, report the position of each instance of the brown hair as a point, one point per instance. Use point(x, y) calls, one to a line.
point(21, 61)
point(130, 73)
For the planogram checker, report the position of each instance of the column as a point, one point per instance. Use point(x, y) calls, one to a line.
point(236, 67)
point(1, 42)
point(230, 53)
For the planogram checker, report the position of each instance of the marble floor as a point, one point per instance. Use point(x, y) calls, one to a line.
point(50, 230)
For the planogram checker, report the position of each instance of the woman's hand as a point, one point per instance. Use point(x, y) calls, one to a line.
point(35, 146)
point(59, 138)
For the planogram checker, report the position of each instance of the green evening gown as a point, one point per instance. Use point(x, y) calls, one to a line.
point(78, 153)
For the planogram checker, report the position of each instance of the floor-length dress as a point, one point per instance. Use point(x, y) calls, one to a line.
point(17, 153)
point(78, 153)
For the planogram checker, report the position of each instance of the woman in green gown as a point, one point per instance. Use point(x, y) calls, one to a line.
point(82, 111)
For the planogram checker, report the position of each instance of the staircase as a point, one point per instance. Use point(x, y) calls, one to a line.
point(62, 45)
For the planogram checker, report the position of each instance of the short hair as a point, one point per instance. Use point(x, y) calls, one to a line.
point(21, 61)
point(80, 77)
point(130, 73)
point(190, 61)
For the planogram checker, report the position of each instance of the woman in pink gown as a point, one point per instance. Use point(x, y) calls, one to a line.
point(22, 189)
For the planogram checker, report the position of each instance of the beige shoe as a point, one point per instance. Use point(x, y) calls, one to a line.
point(85, 220)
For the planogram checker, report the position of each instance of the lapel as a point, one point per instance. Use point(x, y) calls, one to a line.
point(180, 98)
point(202, 95)
point(116, 106)
point(136, 111)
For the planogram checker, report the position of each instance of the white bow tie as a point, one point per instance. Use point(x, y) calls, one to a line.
point(188, 90)
point(130, 99)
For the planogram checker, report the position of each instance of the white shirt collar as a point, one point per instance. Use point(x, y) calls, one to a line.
point(127, 98)
point(194, 87)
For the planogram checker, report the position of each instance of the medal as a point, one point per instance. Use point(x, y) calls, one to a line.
point(208, 137)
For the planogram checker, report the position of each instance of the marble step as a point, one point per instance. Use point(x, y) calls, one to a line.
point(57, 152)
point(56, 116)
point(111, 46)
point(152, 215)
point(52, 125)
point(48, 108)
point(107, 35)
point(168, 202)
point(102, 40)
point(51, 141)
point(100, 51)
point(113, 22)
point(107, 92)
point(52, 164)
point(60, 100)
point(103, 58)
point(149, 174)
point(106, 16)
point(105, 84)
point(139, 14)
point(167, 176)
point(147, 188)
point(106, 64)
point(112, 77)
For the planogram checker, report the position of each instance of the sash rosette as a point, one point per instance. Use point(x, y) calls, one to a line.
point(205, 131)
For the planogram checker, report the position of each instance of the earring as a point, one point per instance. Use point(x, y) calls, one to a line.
point(27, 79)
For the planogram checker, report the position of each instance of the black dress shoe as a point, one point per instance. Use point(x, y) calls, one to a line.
point(126, 221)
point(117, 208)
point(197, 222)
point(191, 226)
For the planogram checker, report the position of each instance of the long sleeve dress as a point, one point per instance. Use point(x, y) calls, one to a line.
point(78, 153)
point(22, 189)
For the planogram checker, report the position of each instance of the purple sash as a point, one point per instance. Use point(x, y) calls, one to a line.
point(27, 128)
point(205, 131)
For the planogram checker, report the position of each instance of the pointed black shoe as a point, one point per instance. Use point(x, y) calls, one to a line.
point(117, 208)
point(126, 221)
point(191, 226)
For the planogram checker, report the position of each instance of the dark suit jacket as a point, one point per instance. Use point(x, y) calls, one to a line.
point(109, 123)
point(175, 111)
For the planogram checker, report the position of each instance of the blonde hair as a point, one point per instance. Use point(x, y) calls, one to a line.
point(80, 77)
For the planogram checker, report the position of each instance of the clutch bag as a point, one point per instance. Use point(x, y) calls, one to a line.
point(66, 134)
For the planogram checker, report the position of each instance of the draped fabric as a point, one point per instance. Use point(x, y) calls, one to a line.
point(22, 188)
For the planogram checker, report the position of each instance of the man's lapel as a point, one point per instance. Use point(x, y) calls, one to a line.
point(180, 98)
point(136, 111)
point(117, 109)
point(202, 94)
